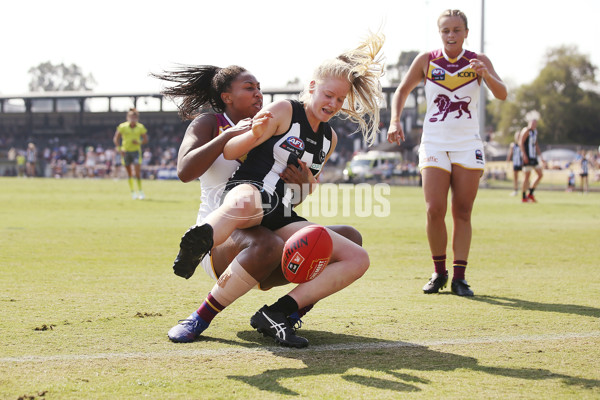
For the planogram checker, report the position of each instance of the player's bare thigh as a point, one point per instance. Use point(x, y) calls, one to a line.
point(257, 239)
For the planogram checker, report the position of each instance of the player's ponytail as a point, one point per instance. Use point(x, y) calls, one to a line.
point(363, 67)
point(199, 86)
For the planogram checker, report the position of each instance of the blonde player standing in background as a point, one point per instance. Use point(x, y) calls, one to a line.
point(129, 138)
point(451, 153)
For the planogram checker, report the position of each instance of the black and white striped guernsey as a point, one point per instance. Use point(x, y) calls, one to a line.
point(530, 147)
point(266, 161)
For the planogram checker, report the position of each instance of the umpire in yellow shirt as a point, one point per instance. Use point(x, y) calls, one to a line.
point(129, 138)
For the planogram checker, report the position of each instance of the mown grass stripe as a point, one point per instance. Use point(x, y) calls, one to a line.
point(314, 348)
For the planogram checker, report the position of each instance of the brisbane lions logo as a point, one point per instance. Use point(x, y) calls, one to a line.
point(446, 106)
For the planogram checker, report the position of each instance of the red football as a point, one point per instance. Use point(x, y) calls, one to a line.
point(306, 254)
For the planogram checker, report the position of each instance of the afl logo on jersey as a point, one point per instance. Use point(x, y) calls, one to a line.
point(294, 145)
point(438, 74)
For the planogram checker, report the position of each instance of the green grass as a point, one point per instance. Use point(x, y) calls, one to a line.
point(88, 294)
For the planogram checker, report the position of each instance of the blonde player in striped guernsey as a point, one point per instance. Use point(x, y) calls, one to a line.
point(348, 84)
point(249, 257)
point(451, 152)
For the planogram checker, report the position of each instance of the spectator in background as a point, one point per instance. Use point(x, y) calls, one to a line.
point(129, 138)
point(147, 157)
point(11, 155)
point(31, 159)
point(118, 163)
point(584, 163)
point(571, 181)
point(109, 160)
point(21, 161)
point(90, 162)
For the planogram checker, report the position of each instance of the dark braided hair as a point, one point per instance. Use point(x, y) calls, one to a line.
point(199, 86)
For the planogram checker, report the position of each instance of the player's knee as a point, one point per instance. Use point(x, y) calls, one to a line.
point(360, 262)
point(435, 211)
point(462, 212)
point(241, 203)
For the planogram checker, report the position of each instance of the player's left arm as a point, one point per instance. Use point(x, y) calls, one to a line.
point(484, 68)
point(144, 137)
point(272, 120)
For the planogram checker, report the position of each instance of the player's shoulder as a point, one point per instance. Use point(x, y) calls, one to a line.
point(431, 55)
point(424, 57)
point(283, 105)
point(471, 54)
point(204, 125)
point(207, 119)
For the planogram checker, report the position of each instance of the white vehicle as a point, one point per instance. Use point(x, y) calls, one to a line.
point(371, 165)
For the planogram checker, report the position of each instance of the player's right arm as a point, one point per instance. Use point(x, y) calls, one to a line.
point(416, 73)
point(202, 145)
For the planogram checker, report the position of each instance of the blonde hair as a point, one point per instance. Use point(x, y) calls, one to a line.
point(454, 13)
point(362, 67)
point(133, 111)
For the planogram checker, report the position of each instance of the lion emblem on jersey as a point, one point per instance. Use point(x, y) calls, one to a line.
point(445, 106)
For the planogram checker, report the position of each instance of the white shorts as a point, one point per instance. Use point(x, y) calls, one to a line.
point(207, 264)
point(530, 168)
point(430, 157)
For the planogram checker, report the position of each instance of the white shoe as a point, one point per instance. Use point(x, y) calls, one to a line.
point(141, 195)
point(134, 195)
point(513, 193)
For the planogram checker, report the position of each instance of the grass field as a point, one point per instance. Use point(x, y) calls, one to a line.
point(88, 294)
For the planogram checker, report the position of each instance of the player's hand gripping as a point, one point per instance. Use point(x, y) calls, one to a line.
point(299, 174)
point(296, 174)
point(242, 126)
point(260, 123)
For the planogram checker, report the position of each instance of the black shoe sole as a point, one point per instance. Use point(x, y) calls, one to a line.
point(194, 246)
point(468, 294)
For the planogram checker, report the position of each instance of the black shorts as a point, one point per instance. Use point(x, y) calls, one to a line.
point(275, 214)
point(517, 167)
point(131, 157)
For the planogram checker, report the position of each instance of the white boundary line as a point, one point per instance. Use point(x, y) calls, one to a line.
point(316, 348)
